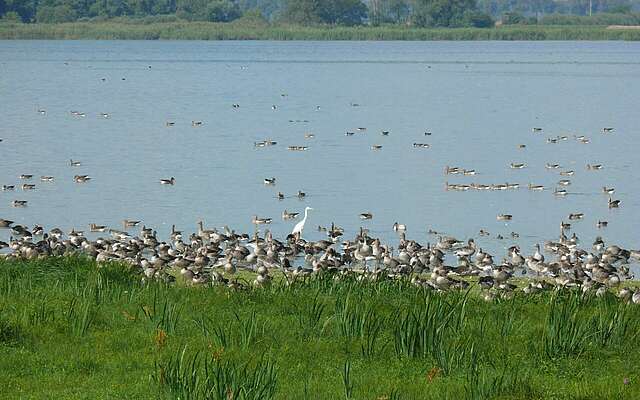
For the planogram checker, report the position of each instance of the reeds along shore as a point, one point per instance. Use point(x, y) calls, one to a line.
point(110, 30)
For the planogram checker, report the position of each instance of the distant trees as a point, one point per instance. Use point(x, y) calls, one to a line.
point(442, 13)
point(343, 12)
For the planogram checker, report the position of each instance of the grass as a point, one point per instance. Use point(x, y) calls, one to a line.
point(182, 30)
point(74, 330)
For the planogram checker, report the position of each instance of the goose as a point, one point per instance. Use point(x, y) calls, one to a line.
point(361, 129)
point(614, 203)
point(428, 133)
point(74, 163)
point(518, 165)
point(301, 194)
point(169, 123)
point(257, 221)
point(608, 190)
point(366, 215)
point(202, 233)
point(468, 172)
point(565, 225)
point(535, 187)
point(25, 176)
point(45, 178)
point(567, 173)
point(170, 181)
point(128, 223)
point(309, 135)
point(274, 107)
point(584, 140)
point(594, 166)
point(505, 217)
point(269, 181)
point(421, 145)
point(607, 130)
point(105, 115)
point(19, 203)
point(349, 133)
point(399, 227)
point(564, 182)
point(289, 215)
point(552, 166)
point(81, 178)
point(376, 147)
point(602, 224)
point(42, 111)
point(5, 223)
point(384, 133)
point(560, 192)
point(280, 196)
point(196, 123)
point(97, 228)
point(536, 130)
point(28, 186)
point(8, 187)
point(576, 216)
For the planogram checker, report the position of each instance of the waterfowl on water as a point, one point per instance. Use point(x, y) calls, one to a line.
point(280, 196)
point(384, 133)
point(28, 186)
point(289, 215)
point(564, 182)
point(602, 224)
point(196, 123)
point(594, 166)
point(576, 216)
point(608, 190)
point(5, 223)
point(25, 176)
point(518, 165)
point(505, 217)
point(257, 221)
point(366, 215)
point(535, 187)
point(270, 181)
point(128, 223)
point(105, 115)
point(81, 178)
point(560, 192)
point(552, 166)
point(74, 163)
point(309, 135)
point(19, 203)
point(614, 203)
point(169, 123)
point(376, 147)
point(301, 194)
point(97, 228)
point(607, 130)
point(170, 181)
point(8, 187)
point(567, 173)
point(536, 130)
point(421, 145)
point(399, 227)
point(45, 178)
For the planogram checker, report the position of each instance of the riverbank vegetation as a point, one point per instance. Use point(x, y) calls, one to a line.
point(70, 329)
point(318, 19)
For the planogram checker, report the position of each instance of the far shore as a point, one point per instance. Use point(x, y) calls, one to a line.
point(112, 30)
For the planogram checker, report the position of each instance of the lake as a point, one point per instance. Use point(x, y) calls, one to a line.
point(479, 101)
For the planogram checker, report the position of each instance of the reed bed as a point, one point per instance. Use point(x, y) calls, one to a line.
point(182, 30)
point(70, 328)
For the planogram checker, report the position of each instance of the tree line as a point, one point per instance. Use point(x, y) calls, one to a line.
point(421, 13)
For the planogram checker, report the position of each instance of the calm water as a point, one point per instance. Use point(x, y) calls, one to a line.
point(479, 99)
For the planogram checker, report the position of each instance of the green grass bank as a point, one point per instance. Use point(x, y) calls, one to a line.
point(72, 330)
point(112, 30)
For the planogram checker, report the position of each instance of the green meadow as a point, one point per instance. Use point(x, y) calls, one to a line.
point(70, 329)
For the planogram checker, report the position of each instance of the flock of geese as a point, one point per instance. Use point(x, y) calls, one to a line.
point(213, 257)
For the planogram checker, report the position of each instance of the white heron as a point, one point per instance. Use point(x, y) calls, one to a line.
point(300, 225)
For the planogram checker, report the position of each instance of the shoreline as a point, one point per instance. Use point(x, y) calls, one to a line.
point(231, 31)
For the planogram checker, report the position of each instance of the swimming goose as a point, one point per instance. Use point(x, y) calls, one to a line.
point(42, 111)
point(97, 228)
point(301, 194)
point(608, 190)
point(552, 166)
point(81, 178)
point(560, 192)
point(576, 216)
point(518, 165)
point(564, 182)
point(74, 163)
point(384, 133)
point(349, 133)
point(607, 130)
point(421, 145)
point(309, 135)
point(5, 223)
point(366, 215)
point(536, 130)
point(28, 186)
point(170, 181)
point(399, 227)
point(614, 203)
point(594, 166)
point(45, 178)
point(8, 187)
point(280, 196)
point(505, 217)
point(25, 176)
point(128, 223)
point(376, 147)
point(289, 215)
point(535, 187)
point(19, 203)
point(169, 123)
point(105, 115)
point(567, 173)
point(196, 123)
point(257, 221)
point(602, 224)
point(270, 181)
